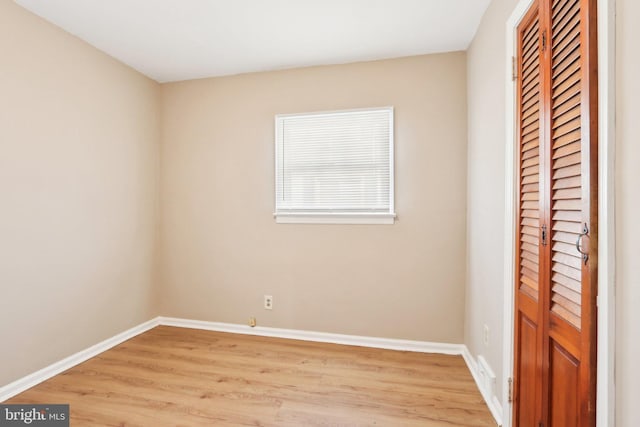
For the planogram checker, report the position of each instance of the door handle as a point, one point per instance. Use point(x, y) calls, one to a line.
point(585, 232)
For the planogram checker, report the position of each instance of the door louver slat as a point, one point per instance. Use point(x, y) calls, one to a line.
point(530, 160)
point(566, 158)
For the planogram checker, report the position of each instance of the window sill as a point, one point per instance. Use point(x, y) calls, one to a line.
point(334, 218)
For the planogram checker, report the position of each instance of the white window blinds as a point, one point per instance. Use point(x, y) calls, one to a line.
point(335, 163)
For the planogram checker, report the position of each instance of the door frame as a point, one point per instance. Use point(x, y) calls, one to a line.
point(605, 405)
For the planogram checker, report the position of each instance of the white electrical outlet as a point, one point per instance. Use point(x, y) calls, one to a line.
point(268, 302)
point(485, 335)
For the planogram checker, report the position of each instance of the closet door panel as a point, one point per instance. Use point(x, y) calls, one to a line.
point(528, 335)
point(563, 399)
point(570, 342)
point(527, 413)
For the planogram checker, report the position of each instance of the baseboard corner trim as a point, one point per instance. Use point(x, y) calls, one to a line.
point(492, 401)
point(25, 383)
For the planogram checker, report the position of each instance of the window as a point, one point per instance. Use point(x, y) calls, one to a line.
point(335, 167)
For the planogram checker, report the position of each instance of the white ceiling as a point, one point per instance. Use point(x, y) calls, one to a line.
point(171, 40)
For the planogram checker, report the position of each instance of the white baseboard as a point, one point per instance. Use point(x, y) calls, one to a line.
point(44, 374)
point(490, 399)
point(385, 343)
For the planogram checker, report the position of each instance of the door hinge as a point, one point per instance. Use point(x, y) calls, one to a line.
point(540, 424)
point(544, 40)
point(544, 235)
point(514, 69)
point(510, 390)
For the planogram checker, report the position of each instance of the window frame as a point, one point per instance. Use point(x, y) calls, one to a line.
point(337, 216)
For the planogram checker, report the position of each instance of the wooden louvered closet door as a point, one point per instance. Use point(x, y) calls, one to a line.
point(556, 239)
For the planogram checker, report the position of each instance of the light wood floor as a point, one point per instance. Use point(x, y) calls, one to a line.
point(185, 377)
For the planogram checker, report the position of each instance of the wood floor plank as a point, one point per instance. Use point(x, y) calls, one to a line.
point(186, 377)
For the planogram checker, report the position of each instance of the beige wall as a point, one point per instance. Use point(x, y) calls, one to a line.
point(486, 180)
point(78, 194)
point(628, 214)
point(222, 250)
